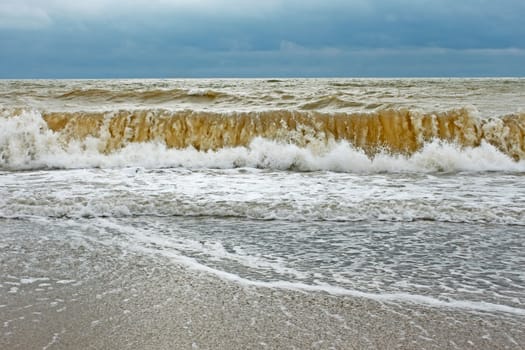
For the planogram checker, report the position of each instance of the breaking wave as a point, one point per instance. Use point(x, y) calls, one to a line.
point(384, 141)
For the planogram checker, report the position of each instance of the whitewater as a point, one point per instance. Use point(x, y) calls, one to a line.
point(407, 193)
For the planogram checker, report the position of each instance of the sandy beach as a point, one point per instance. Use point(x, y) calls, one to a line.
point(75, 296)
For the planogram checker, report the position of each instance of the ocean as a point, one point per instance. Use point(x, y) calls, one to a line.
point(262, 213)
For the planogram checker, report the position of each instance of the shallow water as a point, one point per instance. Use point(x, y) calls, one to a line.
point(438, 239)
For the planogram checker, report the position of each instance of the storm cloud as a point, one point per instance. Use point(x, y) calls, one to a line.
point(162, 38)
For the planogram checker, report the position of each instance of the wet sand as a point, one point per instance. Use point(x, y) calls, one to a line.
point(66, 295)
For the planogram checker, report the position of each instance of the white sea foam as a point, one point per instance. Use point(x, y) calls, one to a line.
point(31, 280)
point(265, 195)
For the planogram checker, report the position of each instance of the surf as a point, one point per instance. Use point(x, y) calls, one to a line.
point(389, 140)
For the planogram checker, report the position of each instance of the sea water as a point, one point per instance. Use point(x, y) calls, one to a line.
point(402, 190)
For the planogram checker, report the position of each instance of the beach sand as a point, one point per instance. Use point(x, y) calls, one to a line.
point(65, 295)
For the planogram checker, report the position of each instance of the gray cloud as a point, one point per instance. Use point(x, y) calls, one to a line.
point(235, 37)
point(22, 16)
point(387, 10)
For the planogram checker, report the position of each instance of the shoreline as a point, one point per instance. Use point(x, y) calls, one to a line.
point(108, 298)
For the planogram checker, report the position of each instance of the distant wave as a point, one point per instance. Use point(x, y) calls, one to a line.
point(144, 96)
point(330, 101)
point(389, 140)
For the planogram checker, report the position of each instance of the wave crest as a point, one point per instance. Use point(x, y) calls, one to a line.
point(389, 140)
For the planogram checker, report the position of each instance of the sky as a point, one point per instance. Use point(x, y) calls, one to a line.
point(263, 38)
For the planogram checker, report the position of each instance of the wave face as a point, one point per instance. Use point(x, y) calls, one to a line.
point(388, 140)
point(398, 131)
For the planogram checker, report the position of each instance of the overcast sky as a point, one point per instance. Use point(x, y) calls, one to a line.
point(235, 38)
